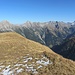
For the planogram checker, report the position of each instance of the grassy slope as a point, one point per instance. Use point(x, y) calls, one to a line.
point(13, 47)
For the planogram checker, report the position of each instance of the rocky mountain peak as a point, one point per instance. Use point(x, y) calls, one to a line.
point(5, 22)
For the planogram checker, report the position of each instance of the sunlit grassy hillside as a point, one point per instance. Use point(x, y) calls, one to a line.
point(20, 56)
point(14, 45)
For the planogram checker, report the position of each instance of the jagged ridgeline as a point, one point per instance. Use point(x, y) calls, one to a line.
point(48, 33)
point(20, 56)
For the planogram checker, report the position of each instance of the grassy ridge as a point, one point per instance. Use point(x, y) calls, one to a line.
point(12, 44)
point(13, 48)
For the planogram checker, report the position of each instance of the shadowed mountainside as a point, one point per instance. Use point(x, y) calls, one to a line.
point(67, 47)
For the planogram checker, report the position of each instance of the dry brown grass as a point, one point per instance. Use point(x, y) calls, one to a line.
point(14, 46)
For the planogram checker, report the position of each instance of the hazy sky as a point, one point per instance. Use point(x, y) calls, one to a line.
point(19, 11)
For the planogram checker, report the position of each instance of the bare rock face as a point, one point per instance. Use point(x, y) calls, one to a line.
point(5, 26)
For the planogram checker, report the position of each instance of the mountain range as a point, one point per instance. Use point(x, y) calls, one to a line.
point(47, 33)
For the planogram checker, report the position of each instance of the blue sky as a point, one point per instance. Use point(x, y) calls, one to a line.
point(20, 11)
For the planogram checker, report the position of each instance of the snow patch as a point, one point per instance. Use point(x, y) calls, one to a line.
point(44, 61)
point(30, 68)
point(19, 70)
point(27, 59)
